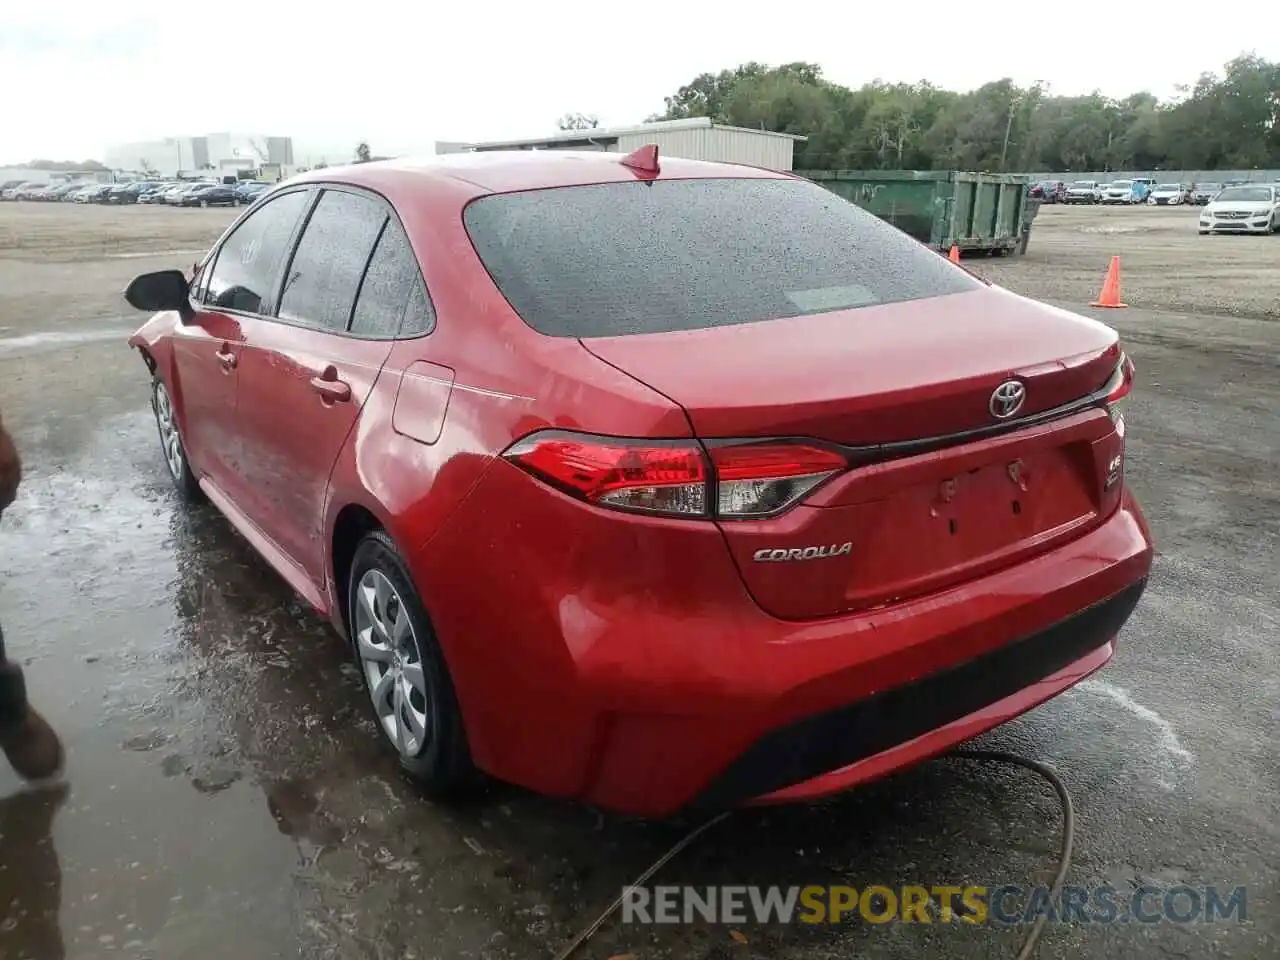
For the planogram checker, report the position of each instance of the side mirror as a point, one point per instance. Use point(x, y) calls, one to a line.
point(162, 290)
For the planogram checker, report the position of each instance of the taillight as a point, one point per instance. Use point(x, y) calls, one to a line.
point(1119, 387)
point(649, 476)
point(759, 479)
point(677, 478)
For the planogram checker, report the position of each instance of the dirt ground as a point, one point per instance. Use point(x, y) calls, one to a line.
point(225, 799)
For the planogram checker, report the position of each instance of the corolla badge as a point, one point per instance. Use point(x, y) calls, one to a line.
point(1006, 399)
point(783, 554)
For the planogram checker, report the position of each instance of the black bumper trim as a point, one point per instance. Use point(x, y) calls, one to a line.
point(828, 741)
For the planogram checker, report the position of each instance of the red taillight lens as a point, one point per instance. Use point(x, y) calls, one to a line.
point(649, 476)
point(755, 480)
point(1119, 387)
point(674, 477)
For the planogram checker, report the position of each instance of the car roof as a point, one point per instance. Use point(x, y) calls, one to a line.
point(501, 171)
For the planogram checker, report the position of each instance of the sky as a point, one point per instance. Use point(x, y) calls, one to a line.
point(401, 75)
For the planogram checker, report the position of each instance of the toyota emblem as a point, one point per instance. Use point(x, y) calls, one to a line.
point(1007, 399)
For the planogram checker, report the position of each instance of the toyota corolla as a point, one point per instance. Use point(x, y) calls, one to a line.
point(655, 483)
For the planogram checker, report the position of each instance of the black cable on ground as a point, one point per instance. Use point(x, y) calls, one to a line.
point(982, 756)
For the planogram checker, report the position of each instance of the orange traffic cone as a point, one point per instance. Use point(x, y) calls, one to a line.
point(954, 255)
point(1110, 296)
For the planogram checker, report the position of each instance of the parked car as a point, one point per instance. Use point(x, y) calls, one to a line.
point(8, 186)
point(1049, 191)
point(1202, 193)
point(1252, 208)
point(29, 191)
point(154, 193)
point(91, 193)
point(1083, 191)
point(139, 187)
point(172, 195)
point(1167, 194)
point(1119, 191)
point(209, 195)
point(175, 196)
point(63, 190)
point(250, 190)
point(629, 483)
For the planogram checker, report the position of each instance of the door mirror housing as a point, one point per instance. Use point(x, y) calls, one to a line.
point(162, 290)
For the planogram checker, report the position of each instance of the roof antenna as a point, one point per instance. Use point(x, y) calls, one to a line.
point(643, 160)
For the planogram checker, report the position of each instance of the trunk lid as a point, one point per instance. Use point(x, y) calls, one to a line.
point(882, 374)
point(892, 528)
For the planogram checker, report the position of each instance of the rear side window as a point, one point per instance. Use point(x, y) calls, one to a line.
point(325, 273)
point(249, 260)
point(627, 258)
point(392, 302)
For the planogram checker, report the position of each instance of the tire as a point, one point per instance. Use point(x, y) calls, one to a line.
point(380, 591)
point(171, 443)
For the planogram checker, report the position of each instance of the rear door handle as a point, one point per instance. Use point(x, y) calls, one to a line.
point(330, 388)
point(226, 357)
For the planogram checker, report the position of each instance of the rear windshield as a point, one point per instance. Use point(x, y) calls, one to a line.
point(626, 258)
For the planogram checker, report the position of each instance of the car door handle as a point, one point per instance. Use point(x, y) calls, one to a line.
point(226, 358)
point(331, 388)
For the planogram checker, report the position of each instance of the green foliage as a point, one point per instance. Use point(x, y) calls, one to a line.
point(1228, 121)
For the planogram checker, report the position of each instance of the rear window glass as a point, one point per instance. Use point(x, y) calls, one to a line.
point(627, 258)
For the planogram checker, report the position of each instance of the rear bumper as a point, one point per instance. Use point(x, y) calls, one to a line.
point(644, 679)
point(837, 749)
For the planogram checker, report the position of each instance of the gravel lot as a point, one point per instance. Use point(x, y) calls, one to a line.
point(225, 801)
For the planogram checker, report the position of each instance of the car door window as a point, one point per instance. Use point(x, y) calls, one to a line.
point(392, 299)
point(249, 260)
point(324, 275)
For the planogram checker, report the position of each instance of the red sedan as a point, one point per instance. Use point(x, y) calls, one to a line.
point(655, 483)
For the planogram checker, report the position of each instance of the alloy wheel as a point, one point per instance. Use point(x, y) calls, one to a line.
point(170, 439)
point(392, 664)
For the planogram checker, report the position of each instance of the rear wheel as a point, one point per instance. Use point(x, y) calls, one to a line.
point(171, 445)
point(404, 672)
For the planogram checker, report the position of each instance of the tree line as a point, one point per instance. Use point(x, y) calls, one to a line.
point(1223, 121)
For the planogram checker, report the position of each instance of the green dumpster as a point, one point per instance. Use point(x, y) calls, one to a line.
point(943, 208)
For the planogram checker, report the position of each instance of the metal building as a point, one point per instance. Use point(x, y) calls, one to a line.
point(693, 139)
point(218, 152)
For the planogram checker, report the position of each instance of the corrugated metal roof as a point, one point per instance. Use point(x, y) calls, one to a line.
point(598, 134)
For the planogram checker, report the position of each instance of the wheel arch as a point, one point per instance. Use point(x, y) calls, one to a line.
point(352, 522)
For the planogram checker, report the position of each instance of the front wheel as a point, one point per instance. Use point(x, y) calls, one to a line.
point(171, 445)
point(405, 675)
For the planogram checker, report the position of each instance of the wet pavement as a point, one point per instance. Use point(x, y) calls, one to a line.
point(226, 798)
